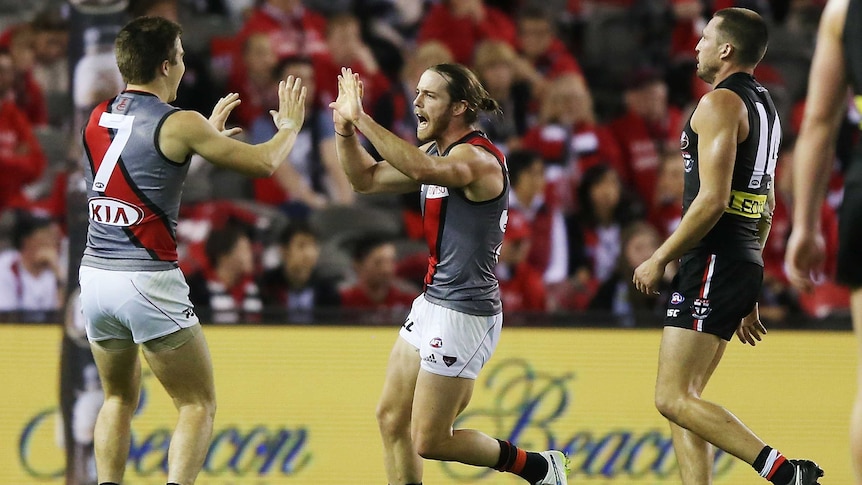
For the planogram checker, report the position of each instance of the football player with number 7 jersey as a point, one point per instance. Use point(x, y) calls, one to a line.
point(137, 148)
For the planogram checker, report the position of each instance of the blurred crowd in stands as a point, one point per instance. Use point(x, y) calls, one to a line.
point(594, 96)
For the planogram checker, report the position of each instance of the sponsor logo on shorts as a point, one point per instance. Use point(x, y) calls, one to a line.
point(436, 342)
point(430, 359)
point(676, 298)
point(449, 360)
point(700, 309)
point(673, 312)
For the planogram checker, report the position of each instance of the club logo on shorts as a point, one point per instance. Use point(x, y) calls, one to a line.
point(676, 298)
point(449, 360)
point(436, 342)
point(700, 309)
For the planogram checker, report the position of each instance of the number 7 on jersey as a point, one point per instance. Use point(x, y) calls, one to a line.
point(123, 125)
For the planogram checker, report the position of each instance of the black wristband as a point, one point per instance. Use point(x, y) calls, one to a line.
point(345, 136)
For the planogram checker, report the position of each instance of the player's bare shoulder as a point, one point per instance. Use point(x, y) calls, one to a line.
point(721, 106)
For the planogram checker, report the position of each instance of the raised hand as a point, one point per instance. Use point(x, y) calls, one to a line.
point(221, 111)
point(348, 105)
point(291, 105)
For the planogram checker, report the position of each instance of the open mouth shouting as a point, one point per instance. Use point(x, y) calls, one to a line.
point(423, 121)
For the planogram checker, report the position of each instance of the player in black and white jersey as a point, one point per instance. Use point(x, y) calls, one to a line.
point(132, 291)
point(729, 149)
point(454, 325)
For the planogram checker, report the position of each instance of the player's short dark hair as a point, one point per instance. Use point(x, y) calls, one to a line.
point(518, 161)
point(463, 85)
point(296, 228)
point(745, 30)
point(143, 44)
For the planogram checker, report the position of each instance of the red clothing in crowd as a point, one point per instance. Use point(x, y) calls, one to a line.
point(773, 253)
point(462, 35)
point(31, 100)
point(326, 73)
point(573, 152)
point(21, 158)
point(641, 143)
point(355, 297)
point(524, 290)
point(300, 33)
point(556, 61)
point(665, 217)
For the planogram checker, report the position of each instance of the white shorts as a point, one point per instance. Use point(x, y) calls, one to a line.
point(451, 343)
point(134, 305)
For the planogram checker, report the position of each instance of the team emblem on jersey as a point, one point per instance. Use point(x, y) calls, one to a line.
point(436, 192)
point(688, 161)
point(436, 342)
point(683, 141)
point(676, 298)
point(114, 212)
point(700, 309)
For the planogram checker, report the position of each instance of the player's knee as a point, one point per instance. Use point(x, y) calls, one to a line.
point(669, 405)
point(390, 420)
point(428, 446)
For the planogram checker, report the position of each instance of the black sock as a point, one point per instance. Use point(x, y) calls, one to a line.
point(108, 483)
point(774, 467)
point(172, 483)
point(528, 465)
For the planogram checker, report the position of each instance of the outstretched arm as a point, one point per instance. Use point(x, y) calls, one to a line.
point(188, 132)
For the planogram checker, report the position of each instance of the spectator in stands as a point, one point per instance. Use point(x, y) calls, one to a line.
point(462, 24)
point(292, 29)
point(376, 286)
point(255, 85)
point(597, 229)
point(546, 55)
point(618, 294)
point(313, 178)
point(28, 95)
point(294, 288)
point(226, 291)
point(665, 212)
point(521, 285)
point(648, 128)
point(21, 158)
point(50, 48)
point(31, 273)
point(346, 48)
point(569, 139)
point(495, 64)
point(548, 252)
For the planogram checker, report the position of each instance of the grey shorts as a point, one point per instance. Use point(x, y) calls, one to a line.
point(134, 305)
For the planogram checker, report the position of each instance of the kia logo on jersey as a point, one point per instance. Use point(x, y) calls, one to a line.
point(114, 212)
